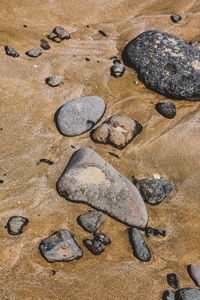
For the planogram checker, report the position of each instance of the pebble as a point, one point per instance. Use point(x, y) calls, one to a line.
point(168, 295)
point(175, 18)
point(172, 280)
point(94, 246)
point(91, 221)
point(44, 44)
point(195, 44)
point(16, 224)
point(118, 131)
point(102, 33)
point(165, 63)
point(166, 109)
point(89, 179)
point(154, 191)
point(102, 238)
point(117, 69)
point(45, 161)
point(79, 115)
point(149, 231)
point(54, 80)
point(187, 294)
point(34, 53)
point(11, 52)
point(194, 272)
point(60, 246)
point(59, 34)
point(140, 249)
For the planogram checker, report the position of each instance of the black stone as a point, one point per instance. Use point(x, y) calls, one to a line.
point(168, 295)
point(140, 249)
point(44, 44)
point(165, 63)
point(102, 238)
point(175, 18)
point(114, 154)
point(187, 294)
point(166, 109)
point(1, 181)
point(172, 280)
point(87, 59)
point(46, 161)
point(11, 52)
point(149, 231)
point(102, 33)
point(16, 224)
point(94, 246)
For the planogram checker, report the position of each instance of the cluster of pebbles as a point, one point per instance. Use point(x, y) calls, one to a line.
point(166, 64)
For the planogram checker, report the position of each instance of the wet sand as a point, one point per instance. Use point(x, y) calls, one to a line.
point(167, 147)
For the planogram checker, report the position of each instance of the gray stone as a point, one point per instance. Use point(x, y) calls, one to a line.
point(60, 246)
point(54, 80)
point(166, 64)
point(102, 237)
point(194, 272)
point(175, 18)
point(11, 52)
point(34, 52)
point(59, 34)
point(140, 249)
point(168, 295)
point(89, 179)
point(166, 109)
point(91, 221)
point(187, 294)
point(94, 246)
point(172, 280)
point(79, 115)
point(117, 69)
point(16, 224)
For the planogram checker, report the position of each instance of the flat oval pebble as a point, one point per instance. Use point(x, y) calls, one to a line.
point(94, 246)
point(118, 131)
point(194, 272)
point(11, 52)
point(16, 224)
point(166, 109)
point(140, 249)
point(187, 294)
point(54, 80)
point(34, 53)
point(168, 295)
point(165, 63)
point(89, 179)
point(91, 221)
point(80, 115)
point(172, 280)
point(60, 246)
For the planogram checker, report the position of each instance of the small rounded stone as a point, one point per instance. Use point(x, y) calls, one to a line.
point(168, 295)
point(11, 52)
point(34, 52)
point(94, 246)
point(117, 69)
point(16, 224)
point(194, 272)
point(172, 280)
point(166, 109)
point(175, 18)
point(44, 44)
point(140, 249)
point(103, 238)
point(54, 80)
point(90, 221)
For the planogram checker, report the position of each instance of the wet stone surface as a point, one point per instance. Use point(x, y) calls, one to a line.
point(11, 52)
point(194, 272)
point(187, 294)
point(172, 280)
point(175, 18)
point(34, 52)
point(90, 221)
point(16, 224)
point(44, 44)
point(166, 109)
point(140, 249)
point(168, 295)
point(102, 238)
point(94, 246)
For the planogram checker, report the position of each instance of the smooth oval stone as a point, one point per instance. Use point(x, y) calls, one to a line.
point(79, 115)
point(54, 80)
point(168, 295)
point(165, 63)
point(60, 246)
point(16, 224)
point(34, 53)
point(89, 179)
point(44, 44)
point(140, 249)
point(118, 131)
point(91, 221)
point(187, 294)
point(11, 52)
point(117, 69)
point(175, 18)
point(94, 246)
point(194, 272)
point(172, 280)
point(103, 238)
point(166, 109)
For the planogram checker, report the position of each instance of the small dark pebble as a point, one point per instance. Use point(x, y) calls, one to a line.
point(140, 249)
point(187, 294)
point(175, 18)
point(87, 59)
point(102, 33)
point(1, 181)
point(1, 128)
point(53, 272)
point(149, 231)
point(72, 146)
point(172, 280)
point(168, 295)
point(16, 224)
point(94, 246)
point(25, 26)
point(102, 238)
point(44, 44)
point(114, 154)
point(34, 52)
point(166, 109)
point(11, 52)
point(117, 69)
point(46, 161)
point(88, 26)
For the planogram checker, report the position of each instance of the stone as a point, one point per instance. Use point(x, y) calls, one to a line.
point(54, 80)
point(172, 280)
point(11, 52)
point(187, 294)
point(140, 249)
point(59, 34)
point(154, 191)
point(118, 131)
point(89, 179)
point(175, 18)
point(90, 221)
point(44, 44)
point(60, 246)
point(16, 224)
point(168, 295)
point(195, 44)
point(79, 115)
point(102, 238)
point(166, 109)
point(94, 246)
point(165, 64)
point(149, 231)
point(34, 52)
point(117, 69)
point(194, 272)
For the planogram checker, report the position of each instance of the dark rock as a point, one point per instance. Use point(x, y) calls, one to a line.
point(140, 249)
point(168, 295)
point(187, 294)
point(175, 18)
point(113, 154)
point(149, 231)
point(194, 272)
point(172, 280)
point(103, 33)
point(166, 64)
point(54, 80)
point(16, 224)
point(166, 109)
point(91, 221)
point(59, 34)
point(117, 69)
point(118, 131)
point(34, 53)
point(101, 237)
point(154, 191)
point(79, 115)
point(11, 52)
point(45, 161)
point(89, 179)
point(1, 181)
point(87, 59)
point(44, 44)
point(60, 246)
point(94, 246)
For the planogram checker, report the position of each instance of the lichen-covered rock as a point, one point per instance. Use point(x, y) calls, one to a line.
point(165, 63)
point(91, 221)
point(187, 294)
point(194, 272)
point(89, 179)
point(140, 249)
point(166, 109)
point(16, 224)
point(118, 131)
point(60, 246)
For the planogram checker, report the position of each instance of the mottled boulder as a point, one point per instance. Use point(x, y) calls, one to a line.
point(60, 246)
point(194, 272)
point(89, 179)
point(187, 294)
point(140, 249)
point(91, 221)
point(16, 224)
point(165, 63)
